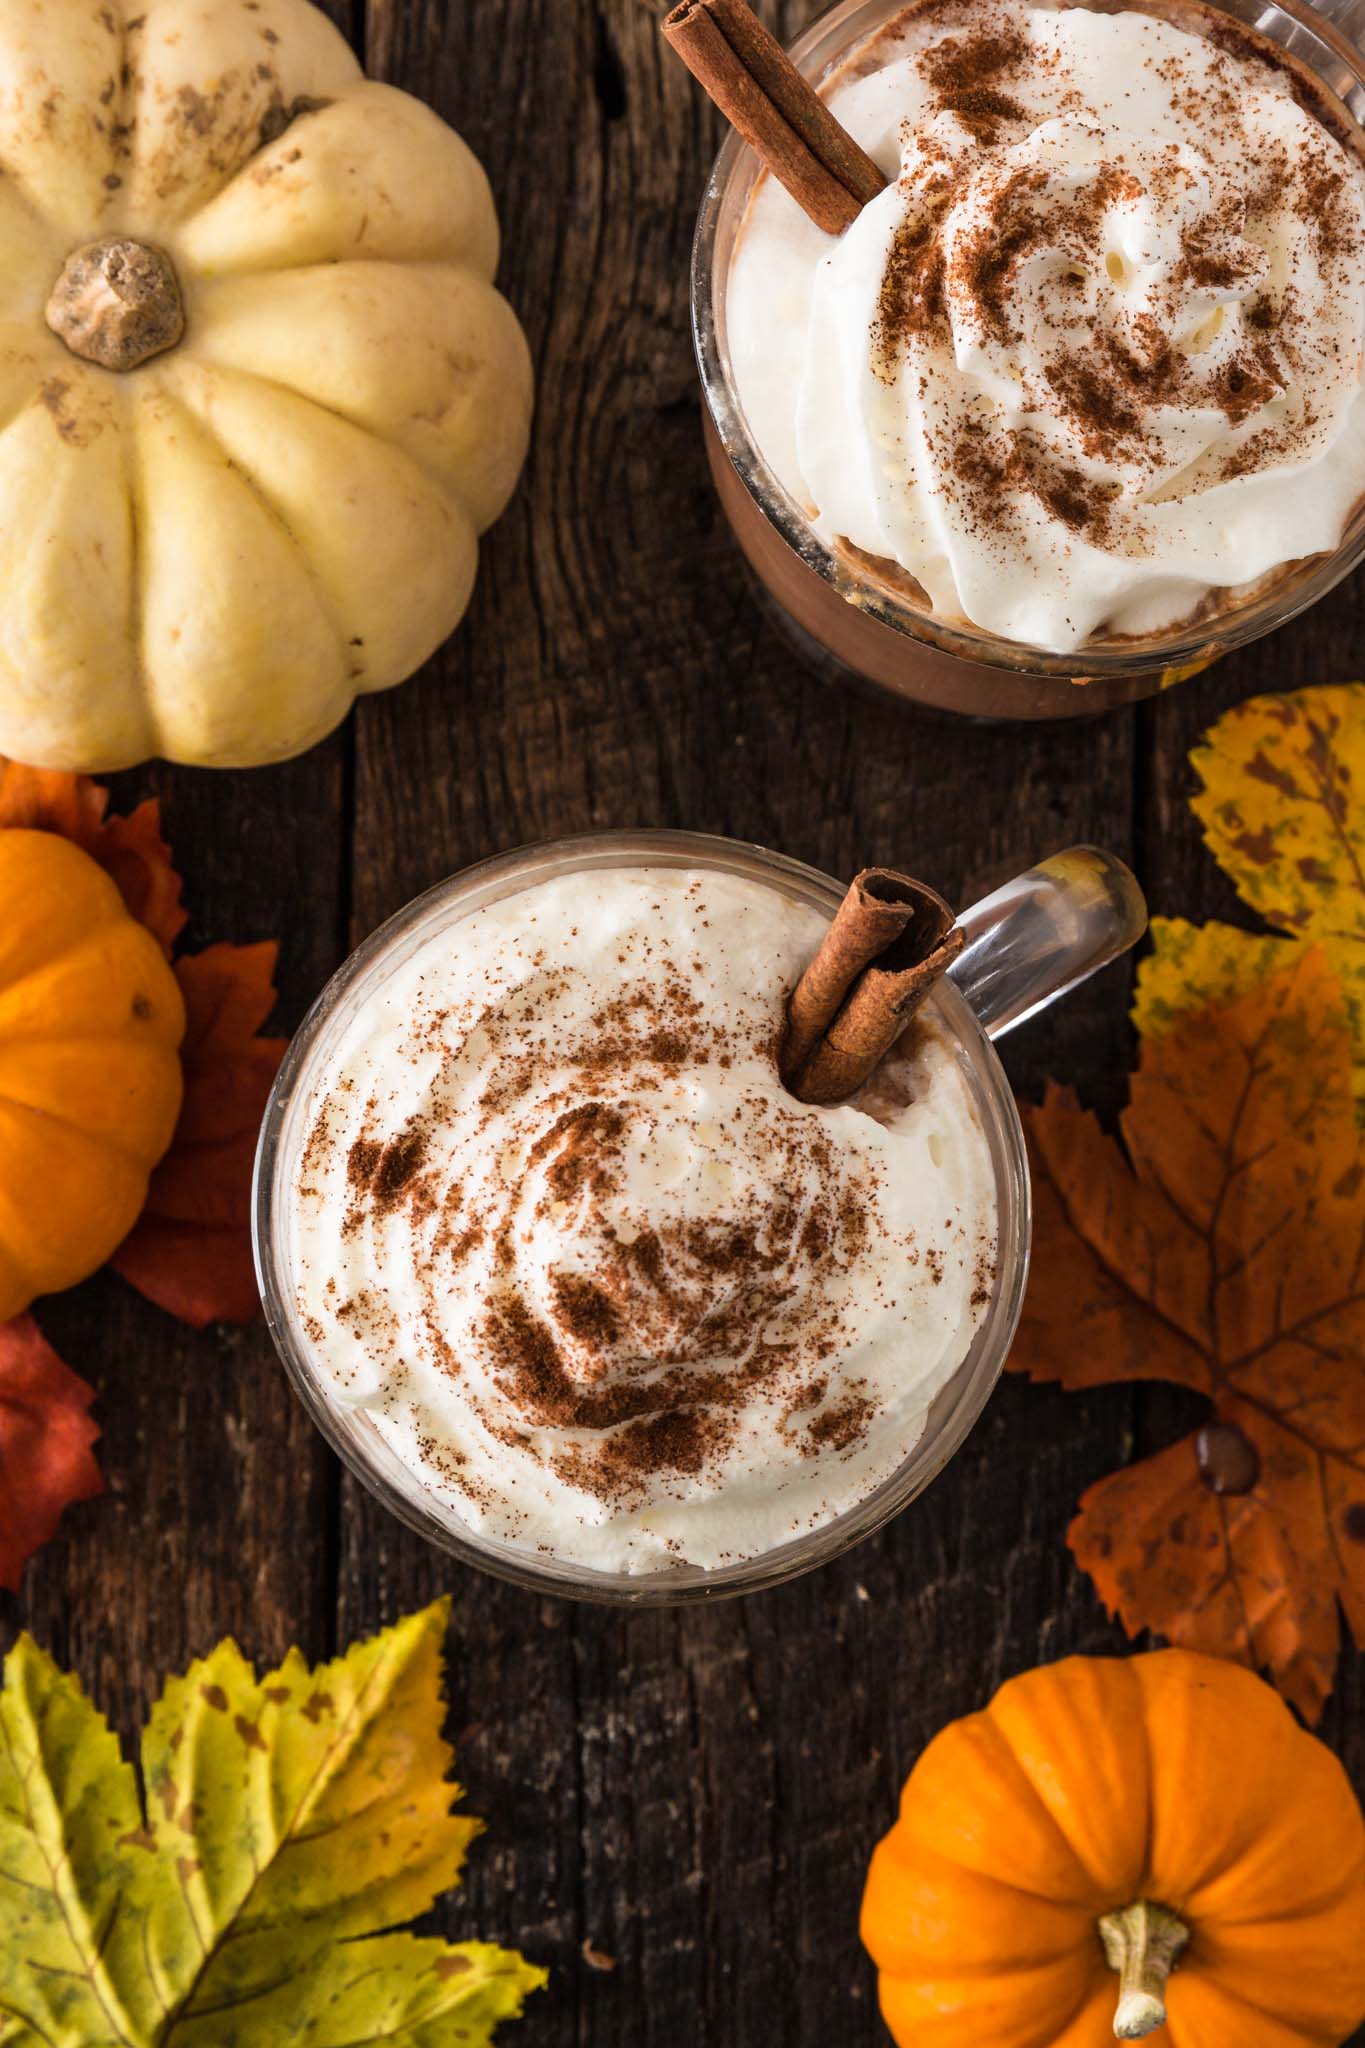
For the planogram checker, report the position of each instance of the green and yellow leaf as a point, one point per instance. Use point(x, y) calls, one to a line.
point(285, 1819)
point(1201, 967)
point(1283, 812)
point(392, 1988)
point(68, 1811)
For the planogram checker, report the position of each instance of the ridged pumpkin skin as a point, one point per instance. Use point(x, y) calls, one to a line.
point(91, 1020)
point(1088, 1785)
point(210, 555)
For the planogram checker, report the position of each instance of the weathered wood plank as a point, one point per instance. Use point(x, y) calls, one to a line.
point(695, 1794)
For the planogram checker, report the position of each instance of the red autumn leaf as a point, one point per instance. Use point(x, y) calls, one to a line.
point(45, 1439)
point(131, 849)
point(1224, 1252)
point(191, 1249)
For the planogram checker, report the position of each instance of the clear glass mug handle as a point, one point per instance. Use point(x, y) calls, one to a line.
point(1042, 933)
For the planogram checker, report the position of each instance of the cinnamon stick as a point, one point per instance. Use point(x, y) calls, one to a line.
point(778, 112)
point(891, 940)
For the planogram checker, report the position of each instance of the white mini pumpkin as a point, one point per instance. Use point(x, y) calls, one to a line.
point(212, 541)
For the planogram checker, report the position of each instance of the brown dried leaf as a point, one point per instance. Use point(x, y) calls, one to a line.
point(1224, 1252)
point(191, 1249)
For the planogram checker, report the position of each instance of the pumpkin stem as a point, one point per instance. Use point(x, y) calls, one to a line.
point(1142, 1943)
point(116, 303)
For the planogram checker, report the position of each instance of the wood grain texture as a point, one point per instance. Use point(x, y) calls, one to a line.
point(694, 1795)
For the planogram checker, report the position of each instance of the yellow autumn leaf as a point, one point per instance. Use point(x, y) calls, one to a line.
point(1201, 967)
point(241, 1899)
point(1283, 812)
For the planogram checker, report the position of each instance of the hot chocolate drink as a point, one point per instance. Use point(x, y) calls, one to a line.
point(1089, 370)
point(609, 1292)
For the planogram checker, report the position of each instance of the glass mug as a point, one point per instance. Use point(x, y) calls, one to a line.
point(1025, 945)
point(849, 620)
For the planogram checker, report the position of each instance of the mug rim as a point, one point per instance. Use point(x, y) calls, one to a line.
point(1168, 656)
point(353, 1436)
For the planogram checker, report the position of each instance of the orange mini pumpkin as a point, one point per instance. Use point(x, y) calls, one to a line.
point(91, 1020)
point(1158, 1816)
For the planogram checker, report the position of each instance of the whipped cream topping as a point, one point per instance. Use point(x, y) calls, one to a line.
point(1097, 351)
point(608, 1291)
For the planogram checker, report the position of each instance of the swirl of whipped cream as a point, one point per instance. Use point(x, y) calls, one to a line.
point(641, 1240)
point(1097, 352)
point(602, 1282)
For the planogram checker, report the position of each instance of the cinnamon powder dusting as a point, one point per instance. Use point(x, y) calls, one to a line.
point(997, 260)
point(646, 1356)
point(970, 73)
point(618, 1339)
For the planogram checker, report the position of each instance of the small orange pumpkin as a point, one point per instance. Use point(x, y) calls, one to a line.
point(1107, 1824)
point(91, 1020)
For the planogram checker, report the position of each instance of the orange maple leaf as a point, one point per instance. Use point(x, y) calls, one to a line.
point(190, 1251)
point(45, 1438)
point(1226, 1253)
point(131, 849)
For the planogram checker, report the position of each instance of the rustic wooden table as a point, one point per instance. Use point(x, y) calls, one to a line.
point(696, 1793)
